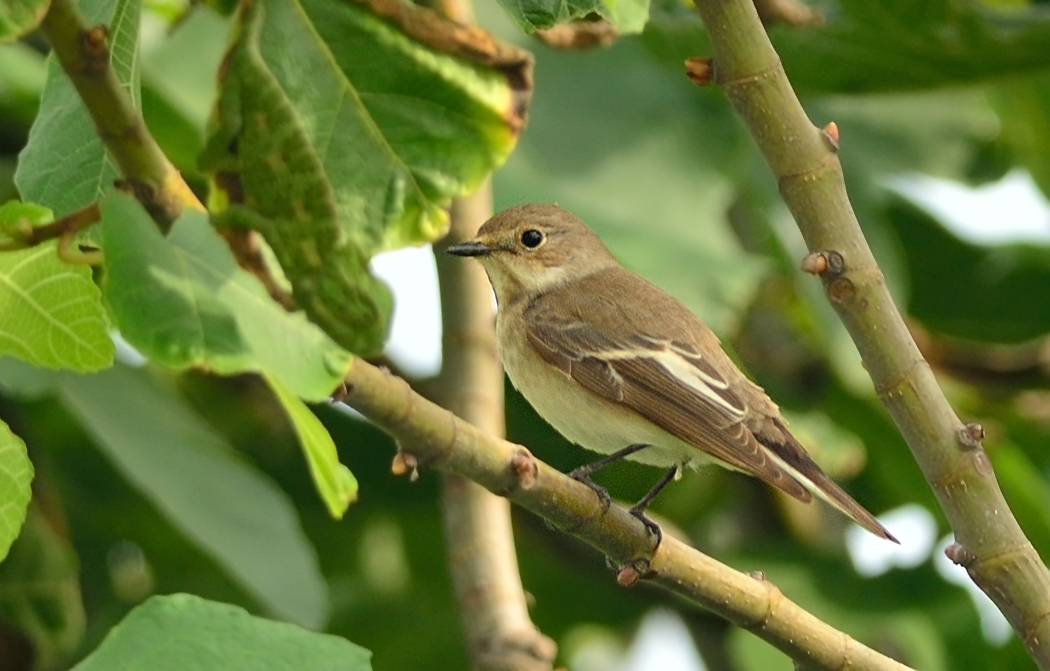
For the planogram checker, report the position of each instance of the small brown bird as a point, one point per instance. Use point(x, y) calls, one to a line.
point(620, 367)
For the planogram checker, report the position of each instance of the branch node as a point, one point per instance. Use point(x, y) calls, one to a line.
point(405, 462)
point(94, 47)
point(700, 70)
point(830, 134)
point(760, 576)
point(815, 263)
point(633, 572)
point(163, 205)
point(823, 263)
point(959, 555)
point(970, 436)
point(841, 290)
point(524, 468)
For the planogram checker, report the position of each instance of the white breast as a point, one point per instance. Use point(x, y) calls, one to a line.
point(583, 418)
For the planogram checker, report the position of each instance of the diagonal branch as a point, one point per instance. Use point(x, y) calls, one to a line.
point(989, 542)
point(431, 436)
point(83, 52)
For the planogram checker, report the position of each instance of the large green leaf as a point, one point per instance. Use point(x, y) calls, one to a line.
point(64, 165)
point(232, 512)
point(359, 156)
point(181, 631)
point(16, 473)
point(51, 312)
point(183, 301)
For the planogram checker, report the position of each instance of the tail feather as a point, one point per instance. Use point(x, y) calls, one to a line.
point(792, 457)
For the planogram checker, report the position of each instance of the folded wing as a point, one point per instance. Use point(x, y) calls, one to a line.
point(669, 383)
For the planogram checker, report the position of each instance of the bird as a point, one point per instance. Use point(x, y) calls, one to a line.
point(620, 367)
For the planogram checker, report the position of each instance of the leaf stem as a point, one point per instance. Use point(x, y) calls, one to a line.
point(28, 236)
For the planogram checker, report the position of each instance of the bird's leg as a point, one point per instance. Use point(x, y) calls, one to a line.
point(583, 473)
point(587, 470)
point(638, 510)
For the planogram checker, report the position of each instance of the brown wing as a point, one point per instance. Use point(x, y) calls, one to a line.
point(669, 383)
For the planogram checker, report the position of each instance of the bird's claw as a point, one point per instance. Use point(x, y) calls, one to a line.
point(582, 475)
point(653, 527)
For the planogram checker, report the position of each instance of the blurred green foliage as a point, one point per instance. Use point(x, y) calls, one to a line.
point(153, 482)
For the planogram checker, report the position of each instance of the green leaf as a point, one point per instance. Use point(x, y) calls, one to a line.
point(22, 74)
point(360, 156)
point(16, 473)
point(865, 46)
point(532, 15)
point(179, 70)
point(40, 590)
point(18, 17)
point(1024, 111)
point(184, 302)
point(181, 631)
point(334, 481)
point(226, 507)
point(51, 313)
point(64, 165)
point(970, 291)
point(900, 44)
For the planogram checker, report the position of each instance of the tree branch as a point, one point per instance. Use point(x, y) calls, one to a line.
point(480, 539)
point(431, 436)
point(989, 542)
point(27, 235)
point(84, 55)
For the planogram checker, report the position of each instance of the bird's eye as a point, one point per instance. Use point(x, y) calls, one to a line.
point(532, 238)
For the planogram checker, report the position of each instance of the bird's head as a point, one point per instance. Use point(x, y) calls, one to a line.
point(530, 249)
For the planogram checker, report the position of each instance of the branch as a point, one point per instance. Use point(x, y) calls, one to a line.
point(484, 566)
point(83, 53)
point(989, 542)
point(431, 436)
point(24, 235)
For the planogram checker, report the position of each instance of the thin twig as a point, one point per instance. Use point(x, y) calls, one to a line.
point(989, 542)
point(24, 237)
point(434, 437)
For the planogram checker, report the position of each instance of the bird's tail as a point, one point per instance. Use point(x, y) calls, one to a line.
point(792, 457)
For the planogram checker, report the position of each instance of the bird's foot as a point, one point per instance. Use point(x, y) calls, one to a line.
point(583, 475)
point(639, 512)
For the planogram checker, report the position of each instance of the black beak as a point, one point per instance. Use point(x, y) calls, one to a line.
point(470, 249)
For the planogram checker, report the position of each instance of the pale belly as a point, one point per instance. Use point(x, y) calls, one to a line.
point(584, 419)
